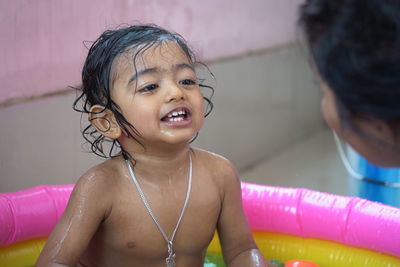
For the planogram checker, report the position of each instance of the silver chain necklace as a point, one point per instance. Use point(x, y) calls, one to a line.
point(170, 260)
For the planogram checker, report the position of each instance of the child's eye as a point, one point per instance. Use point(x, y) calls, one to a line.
point(187, 82)
point(148, 88)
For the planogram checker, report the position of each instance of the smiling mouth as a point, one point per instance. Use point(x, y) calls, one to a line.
point(177, 115)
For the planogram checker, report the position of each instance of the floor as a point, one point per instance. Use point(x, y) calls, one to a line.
point(313, 163)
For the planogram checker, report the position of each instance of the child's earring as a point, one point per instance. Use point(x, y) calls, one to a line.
point(104, 121)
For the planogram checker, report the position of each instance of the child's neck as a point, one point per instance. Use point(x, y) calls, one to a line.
point(155, 165)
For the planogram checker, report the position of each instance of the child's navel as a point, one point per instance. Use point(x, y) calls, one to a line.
point(131, 244)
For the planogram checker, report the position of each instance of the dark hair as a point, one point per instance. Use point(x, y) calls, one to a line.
point(355, 45)
point(96, 80)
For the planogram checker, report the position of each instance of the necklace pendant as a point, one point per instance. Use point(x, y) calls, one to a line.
point(170, 260)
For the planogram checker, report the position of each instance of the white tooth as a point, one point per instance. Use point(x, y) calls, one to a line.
point(174, 113)
point(181, 112)
point(169, 115)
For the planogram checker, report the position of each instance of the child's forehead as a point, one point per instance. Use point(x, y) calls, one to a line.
point(164, 56)
point(161, 53)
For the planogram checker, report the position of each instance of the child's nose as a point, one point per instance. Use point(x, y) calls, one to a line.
point(175, 92)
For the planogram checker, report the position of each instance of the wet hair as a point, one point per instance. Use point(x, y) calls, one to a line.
point(355, 45)
point(97, 81)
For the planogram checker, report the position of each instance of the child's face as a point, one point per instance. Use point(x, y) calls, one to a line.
point(161, 97)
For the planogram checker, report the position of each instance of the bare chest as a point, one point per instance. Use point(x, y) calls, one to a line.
point(130, 232)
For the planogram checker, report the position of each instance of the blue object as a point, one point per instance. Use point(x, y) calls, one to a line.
point(380, 184)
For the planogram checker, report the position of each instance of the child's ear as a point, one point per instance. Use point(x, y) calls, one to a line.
point(104, 121)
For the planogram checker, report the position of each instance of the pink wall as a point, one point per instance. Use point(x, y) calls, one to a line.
point(41, 40)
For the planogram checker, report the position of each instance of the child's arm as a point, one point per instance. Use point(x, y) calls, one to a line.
point(238, 246)
point(87, 207)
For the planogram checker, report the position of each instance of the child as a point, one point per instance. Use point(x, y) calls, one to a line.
point(159, 201)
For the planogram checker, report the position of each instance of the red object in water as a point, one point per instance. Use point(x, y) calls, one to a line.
point(300, 263)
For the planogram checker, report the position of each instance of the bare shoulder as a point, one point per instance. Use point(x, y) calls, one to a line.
point(98, 183)
point(99, 176)
point(222, 169)
point(89, 205)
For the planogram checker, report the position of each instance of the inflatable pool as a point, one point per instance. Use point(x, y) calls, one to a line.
point(287, 223)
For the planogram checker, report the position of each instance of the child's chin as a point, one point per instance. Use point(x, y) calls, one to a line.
point(180, 139)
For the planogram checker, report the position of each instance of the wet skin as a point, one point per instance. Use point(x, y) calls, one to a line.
point(106, 223)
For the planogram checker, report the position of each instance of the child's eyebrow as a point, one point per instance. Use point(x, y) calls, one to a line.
point(183, 66)
point(142, 72)
point(156, 70)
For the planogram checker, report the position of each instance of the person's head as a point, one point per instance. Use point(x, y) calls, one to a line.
point(139, 83)
point(355, 46)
